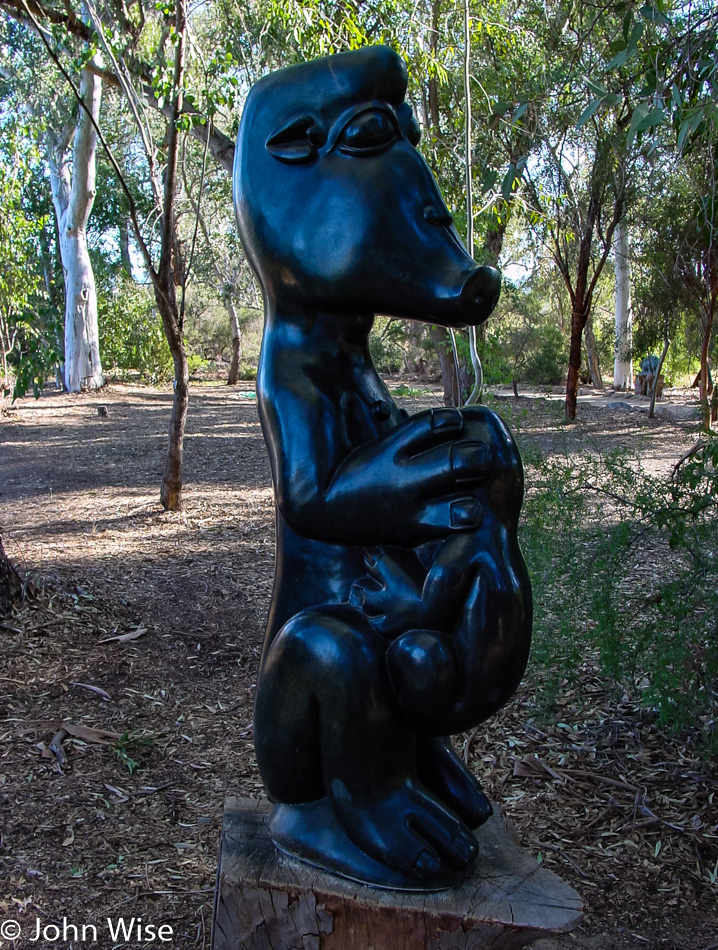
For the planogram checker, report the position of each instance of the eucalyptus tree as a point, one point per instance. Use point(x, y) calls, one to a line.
point(151, 57)
point(670, 49)
point(20, 274)
point(219, 259)
point(68, 141)
point(577, 180)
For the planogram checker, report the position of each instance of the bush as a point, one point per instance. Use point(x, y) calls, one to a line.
point(626, 563)
point(386, 344)
point(546, 358)
point(131, 333)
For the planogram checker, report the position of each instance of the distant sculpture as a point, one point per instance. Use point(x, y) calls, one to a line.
point(401, 610)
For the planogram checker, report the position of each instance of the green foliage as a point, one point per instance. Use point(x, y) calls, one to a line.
point(386, 344)
point(131, 333)
point(30, 329)
point(207, 329)
point(127, 746)
point(38, 351)
point(496, 356)
point(409, 391)
point(626, 563)
point(523, 341)
point(545, 360)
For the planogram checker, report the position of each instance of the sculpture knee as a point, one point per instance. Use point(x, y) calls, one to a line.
point(424, 672)
point(334, 641)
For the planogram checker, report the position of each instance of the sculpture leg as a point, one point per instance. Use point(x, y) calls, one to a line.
point(443, 772)
point(448, 682)
point(326, 724)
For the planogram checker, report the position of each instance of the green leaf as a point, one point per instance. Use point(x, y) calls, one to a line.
point(596, 88)
point(489, 179)
point(655, 117)
point(502, 107)
point(653, 14)
point(636, 34)
point(627, 20)
point(519, 112)
point(507, 184)
point(689, 126)
point(590, 110)
point(639, 114)
point(619, 59)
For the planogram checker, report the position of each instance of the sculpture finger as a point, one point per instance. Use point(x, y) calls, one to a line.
point(453, 514)
point(426, 429)
point(443, 467)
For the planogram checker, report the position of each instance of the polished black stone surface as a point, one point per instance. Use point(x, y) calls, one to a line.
point(401, 610)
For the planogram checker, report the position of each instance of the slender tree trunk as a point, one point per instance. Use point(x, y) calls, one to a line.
point(574, 358)
point(711, 277)
point(657, 377)
point(165, 281)
point(594, 366)
point(581, 300)
point(623, 355)
point(236, 342)
point(442, 345)
point(4, 349)
point(73, 196)
point(171, 490)
point(439, 335)
point(125, 259)
point(704, 386)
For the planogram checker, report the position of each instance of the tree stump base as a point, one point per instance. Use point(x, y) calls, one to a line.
point(10, 584)
point(266, 900)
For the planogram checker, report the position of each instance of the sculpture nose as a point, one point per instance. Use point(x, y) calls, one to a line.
point(438, 214)
point(480, 294)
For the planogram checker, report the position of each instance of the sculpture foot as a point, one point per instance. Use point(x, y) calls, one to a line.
point(443, 773)
point(310, 832)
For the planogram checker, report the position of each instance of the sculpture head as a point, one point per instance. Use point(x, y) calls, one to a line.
point(336, 208)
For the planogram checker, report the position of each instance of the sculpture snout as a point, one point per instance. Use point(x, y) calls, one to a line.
point(480, 294)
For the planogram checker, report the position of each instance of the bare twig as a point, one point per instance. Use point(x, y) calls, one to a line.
point(55, 747)
point(687, 455)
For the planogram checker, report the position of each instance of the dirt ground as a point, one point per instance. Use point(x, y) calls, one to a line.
point(141, 643)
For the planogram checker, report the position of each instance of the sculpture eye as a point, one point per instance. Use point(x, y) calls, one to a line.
point(369, 132)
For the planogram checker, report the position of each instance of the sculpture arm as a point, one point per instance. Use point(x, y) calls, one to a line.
point(409, 485)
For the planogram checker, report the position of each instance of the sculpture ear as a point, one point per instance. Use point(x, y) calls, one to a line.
point(297, 142)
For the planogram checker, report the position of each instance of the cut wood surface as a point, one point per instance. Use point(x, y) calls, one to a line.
point(267, 900)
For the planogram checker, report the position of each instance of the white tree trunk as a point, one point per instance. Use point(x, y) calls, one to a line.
point(623, 361)
point(73, 196)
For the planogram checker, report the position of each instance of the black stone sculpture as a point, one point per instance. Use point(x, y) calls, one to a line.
point(401, 610)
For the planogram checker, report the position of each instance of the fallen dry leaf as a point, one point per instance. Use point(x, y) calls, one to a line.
point(125, 637)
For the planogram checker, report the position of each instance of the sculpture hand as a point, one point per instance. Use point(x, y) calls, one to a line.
point(390, 593)
point(502, 488)
point(411, 485)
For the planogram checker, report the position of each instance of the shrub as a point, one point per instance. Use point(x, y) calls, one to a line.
point(131, 333)
point(386, 344)
point(546, 357)
point(626, 563)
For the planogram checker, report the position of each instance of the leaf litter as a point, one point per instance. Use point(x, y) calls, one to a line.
point(164, 614)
